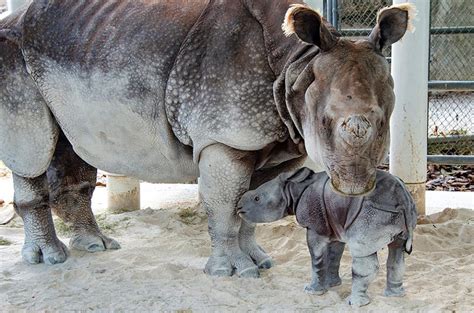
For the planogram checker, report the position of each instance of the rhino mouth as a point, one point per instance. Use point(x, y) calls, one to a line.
point(358, 185)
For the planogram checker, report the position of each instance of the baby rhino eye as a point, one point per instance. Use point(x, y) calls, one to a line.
point(257, 198)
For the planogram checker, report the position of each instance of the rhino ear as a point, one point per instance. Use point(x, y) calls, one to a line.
point(392, 24)
point(308, 25)
point(294, 184)
point(300, 175)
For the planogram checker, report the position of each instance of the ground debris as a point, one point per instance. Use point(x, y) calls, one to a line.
point(450, 178)
point(447, 177)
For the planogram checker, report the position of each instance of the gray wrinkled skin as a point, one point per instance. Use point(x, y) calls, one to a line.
point(167, 91)
point(386, 216)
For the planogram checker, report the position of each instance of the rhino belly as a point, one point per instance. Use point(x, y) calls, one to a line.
point(114, 129)
point(373, 230)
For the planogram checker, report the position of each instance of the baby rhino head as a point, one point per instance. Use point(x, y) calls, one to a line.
point(274, 199)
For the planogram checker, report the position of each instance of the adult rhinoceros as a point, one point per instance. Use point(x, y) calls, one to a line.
point(170, 90)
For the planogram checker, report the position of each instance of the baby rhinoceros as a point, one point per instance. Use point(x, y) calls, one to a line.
point(385, 216)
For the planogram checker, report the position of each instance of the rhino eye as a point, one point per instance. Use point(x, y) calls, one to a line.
point(257, 198)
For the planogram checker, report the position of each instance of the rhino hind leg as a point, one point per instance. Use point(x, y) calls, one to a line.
point(31, 204)
point(395, 269)
point(224, 176)
point(71, 185)
point(364, 270)
point(335, 250)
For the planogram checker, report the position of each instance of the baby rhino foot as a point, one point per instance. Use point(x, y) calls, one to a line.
point(258, 255)
point(334, 281)
point(315, 289)
point(50, 254)
point(394, 291)
point(358, 300)
point(92, 242)
point(225, 265)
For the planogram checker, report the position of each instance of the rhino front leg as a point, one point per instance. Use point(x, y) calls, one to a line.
point(395, 269)
point(31, 204)
point(249, 245)
point(224, 176)
point(71, 185)
point(318, 249)
point(335, 250)
point(364, 270)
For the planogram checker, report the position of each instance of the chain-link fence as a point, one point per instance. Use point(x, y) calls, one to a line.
point(451, 103)
point(451, 126)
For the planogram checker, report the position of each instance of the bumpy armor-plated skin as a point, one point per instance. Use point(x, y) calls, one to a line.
point(167, 91)
point(385, 217)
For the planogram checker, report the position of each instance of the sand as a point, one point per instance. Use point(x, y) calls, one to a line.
point(165, 248)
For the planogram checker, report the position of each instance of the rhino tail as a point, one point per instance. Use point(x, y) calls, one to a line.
point(410, 222)
point(409, 242)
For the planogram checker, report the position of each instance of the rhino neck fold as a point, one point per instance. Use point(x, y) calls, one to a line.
point(288, 99)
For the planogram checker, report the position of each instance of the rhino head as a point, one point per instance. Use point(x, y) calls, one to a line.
point(338, 95)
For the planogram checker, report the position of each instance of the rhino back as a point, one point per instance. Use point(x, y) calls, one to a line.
point(221, 89)
point(102, 67)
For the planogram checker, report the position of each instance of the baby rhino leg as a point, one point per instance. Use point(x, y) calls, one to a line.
point(71, 184)
point(364, 270)
point(395, 269)
point(336, 248)
point(318, 248)
point(31, 203)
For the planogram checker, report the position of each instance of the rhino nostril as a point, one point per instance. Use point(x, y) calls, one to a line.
point(356, 129)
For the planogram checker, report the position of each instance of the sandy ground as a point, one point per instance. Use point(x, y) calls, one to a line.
point(164, 251)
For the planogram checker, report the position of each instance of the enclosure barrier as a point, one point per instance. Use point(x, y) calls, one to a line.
point(408, 125)
point(123, 193)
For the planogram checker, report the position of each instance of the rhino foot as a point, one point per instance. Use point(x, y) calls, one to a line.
point(394, 292)
point(358, 300)
point(258, 255)
point(227, 265)
point(50, 254)
point(334, 281)
point(93, 242)
point(313, 289)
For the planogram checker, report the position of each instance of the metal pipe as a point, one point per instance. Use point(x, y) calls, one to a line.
point(329, 11)
point(14, 5)
point(123, 193)
point(446, 85)
point(451, 159)
point(316, 4)
point(409, 122)
point(363, 32)
point(450, 139)
point(335, 14)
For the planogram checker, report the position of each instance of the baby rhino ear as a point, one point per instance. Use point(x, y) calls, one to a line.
point(392, 23)
point(308, 25)
point(298, 176)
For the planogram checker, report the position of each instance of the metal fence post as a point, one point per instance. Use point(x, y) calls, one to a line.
point(408, 126)
point(14, 5)
point(316, 4)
